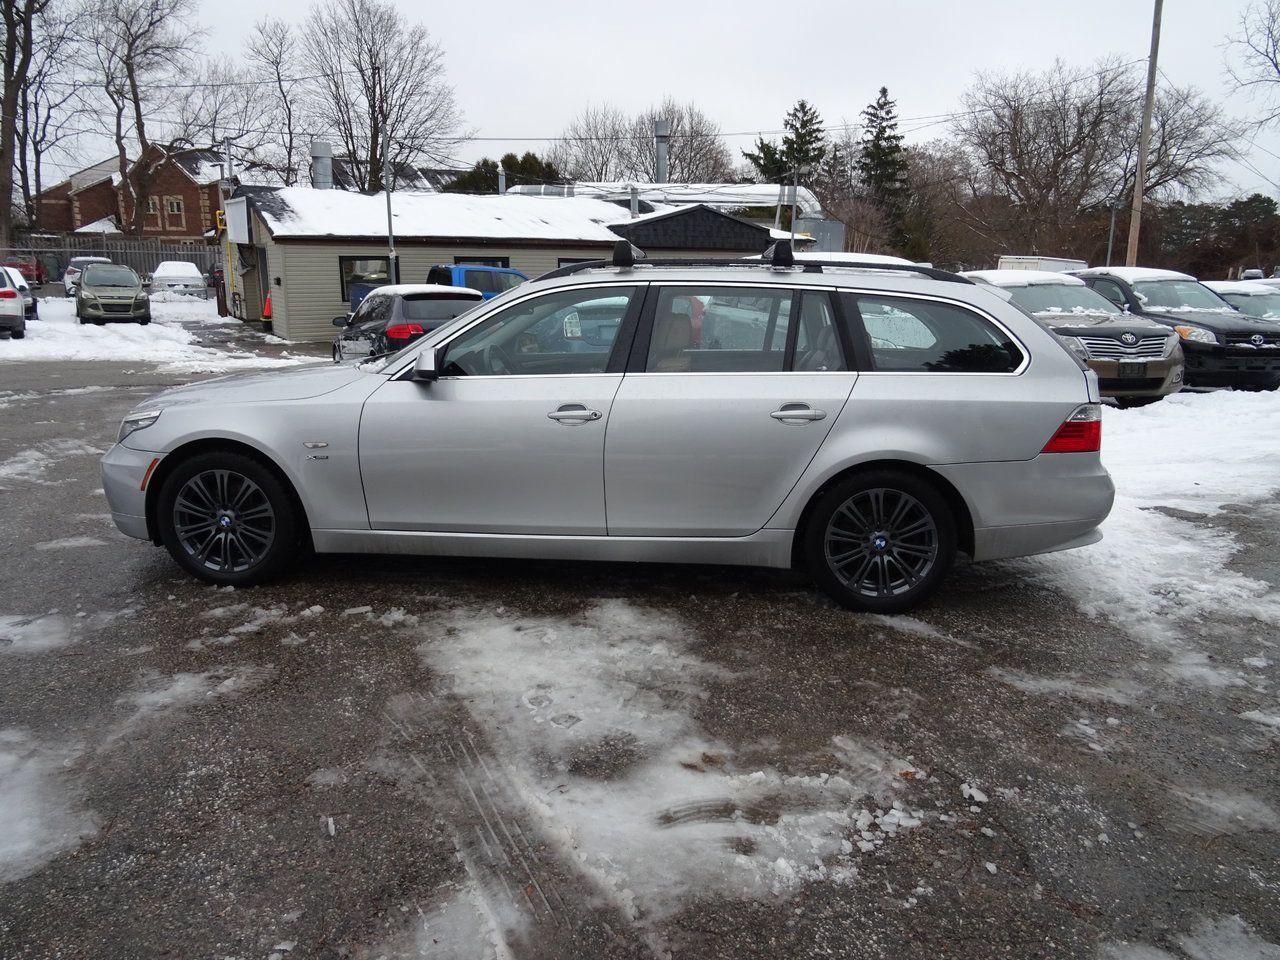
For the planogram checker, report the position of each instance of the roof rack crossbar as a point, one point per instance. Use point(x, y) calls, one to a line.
point(806, 266)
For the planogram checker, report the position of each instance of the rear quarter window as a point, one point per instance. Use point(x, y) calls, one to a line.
point(905, 335)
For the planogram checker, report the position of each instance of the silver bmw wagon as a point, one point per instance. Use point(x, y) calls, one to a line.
point(864, 422)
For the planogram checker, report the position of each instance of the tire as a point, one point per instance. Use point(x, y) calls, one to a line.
point(144, 321)
point(18, 334)
point(337, 354)
point(860, 520)
point(1130, 403)
point(250, 546)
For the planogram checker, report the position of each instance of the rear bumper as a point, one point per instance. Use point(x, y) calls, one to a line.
point(1232, 367)
point(1052, 502)
point(13, 323)
point(123, 471)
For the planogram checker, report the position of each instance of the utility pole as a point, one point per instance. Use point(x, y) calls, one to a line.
point(393, 265)
point(1144, 139)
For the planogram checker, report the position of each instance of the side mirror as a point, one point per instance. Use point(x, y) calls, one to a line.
point(341, 321)
point(427, 367)
point(146, 281)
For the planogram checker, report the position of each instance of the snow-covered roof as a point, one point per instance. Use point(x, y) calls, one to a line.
point(307, 212)
point(408, 289)
point(1021, 278)
point(105, 225)
point(1242, 288)
point(853, 257)
point(719, 195)
point(1133, 274)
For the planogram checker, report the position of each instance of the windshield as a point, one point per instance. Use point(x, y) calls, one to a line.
point(1265, 305)
point(425, 306)
point(1061, 298)
point(1178, 295)
point(109, 275)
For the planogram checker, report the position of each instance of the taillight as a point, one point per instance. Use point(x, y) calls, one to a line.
point(1080, 433)
point(403, 331)
point(7, 294)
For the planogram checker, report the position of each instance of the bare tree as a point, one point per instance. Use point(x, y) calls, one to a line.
point(590, 148)
point(274, 59)
point(20, 24)
point(697, 153)
point(50, 102)
point(378, 74)
point(1055, 143)
point(1253, 55)
point(223, 103)
point(136, 50)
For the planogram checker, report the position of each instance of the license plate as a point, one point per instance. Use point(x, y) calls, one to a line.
point(1132, 369)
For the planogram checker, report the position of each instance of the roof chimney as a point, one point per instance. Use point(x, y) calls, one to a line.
point(662, 134)
point(321, 165)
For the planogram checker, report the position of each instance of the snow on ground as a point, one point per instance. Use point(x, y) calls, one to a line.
point(168, 340)
point(39, 816)
point(1156, 574)
point(1227, 938)
point(33, 634)
point(592, 716)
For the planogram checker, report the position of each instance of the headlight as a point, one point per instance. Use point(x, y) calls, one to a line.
point(1197, 334)
point(137, 421)
point(1077, 347)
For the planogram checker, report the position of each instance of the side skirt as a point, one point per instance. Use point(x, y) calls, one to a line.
point(765, 548)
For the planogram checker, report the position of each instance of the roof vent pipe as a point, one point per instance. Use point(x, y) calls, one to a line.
point(662, 137)
point(321, 165)
point(502, 180)
point(635, 201)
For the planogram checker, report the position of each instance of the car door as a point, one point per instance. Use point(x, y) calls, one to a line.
point(360, 336)
point(730, 391)
point(510, 438)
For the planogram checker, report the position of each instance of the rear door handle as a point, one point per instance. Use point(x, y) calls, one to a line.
point(798, 413)
point(573, 413)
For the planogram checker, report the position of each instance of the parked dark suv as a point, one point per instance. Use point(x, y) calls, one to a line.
point(392, 317)
point(1222, 347)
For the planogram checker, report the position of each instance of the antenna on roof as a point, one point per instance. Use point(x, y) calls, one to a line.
point(779, 254)
point(625, 254)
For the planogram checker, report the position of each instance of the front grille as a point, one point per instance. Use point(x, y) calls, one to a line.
point(1270, 341)
point(1109, 348)
point(117, 307)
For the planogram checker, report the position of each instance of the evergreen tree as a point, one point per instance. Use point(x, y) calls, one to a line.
point(803, 145)
point(483, 177)
point(882, 163)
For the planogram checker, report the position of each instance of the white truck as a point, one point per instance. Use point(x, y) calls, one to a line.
point(1053, 264)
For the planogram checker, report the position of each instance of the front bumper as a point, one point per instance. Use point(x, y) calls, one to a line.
point(1219, 366)
point(1161, 377)
point(109, 310)
point(123, 471)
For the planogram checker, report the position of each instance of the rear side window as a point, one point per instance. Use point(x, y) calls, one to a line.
point(925, 336)
point(742, 330)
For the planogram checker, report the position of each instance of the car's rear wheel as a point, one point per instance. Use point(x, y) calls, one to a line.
point(19, 334)
point(227, 519)
point(881, 541)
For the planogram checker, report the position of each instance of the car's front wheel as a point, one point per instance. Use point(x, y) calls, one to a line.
point(227, 519)
point(881, 541)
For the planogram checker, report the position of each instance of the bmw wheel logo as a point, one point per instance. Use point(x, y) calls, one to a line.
point(1128, 338)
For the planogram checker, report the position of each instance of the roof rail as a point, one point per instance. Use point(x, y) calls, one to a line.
point(777, 260)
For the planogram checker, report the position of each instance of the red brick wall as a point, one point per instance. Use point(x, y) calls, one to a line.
point(171, 188)
point(53, 207)
point(93, 203)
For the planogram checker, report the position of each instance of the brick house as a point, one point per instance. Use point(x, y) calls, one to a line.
point(182, 204)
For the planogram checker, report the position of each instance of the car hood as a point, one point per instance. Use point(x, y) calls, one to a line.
point(121, 292)
point(297, 383)
point(1081, 323)
point(1234, 323)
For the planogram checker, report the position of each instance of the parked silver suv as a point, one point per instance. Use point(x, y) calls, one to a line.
point(866, 422)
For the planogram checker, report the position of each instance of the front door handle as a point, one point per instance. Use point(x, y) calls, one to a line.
point(798, 413)
point(573, 413)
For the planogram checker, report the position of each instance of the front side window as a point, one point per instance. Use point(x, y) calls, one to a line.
point(568, 332)
point(505, 281)
point(481, 280)
point(1110, 290)
point(926, 336)
point(375, 270)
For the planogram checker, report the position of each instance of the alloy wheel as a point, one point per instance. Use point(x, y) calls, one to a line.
point(224, 520)
point(881, 542)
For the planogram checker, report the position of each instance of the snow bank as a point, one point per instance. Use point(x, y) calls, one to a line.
point(40, 816)
point(167, 340)
point(1157, 574)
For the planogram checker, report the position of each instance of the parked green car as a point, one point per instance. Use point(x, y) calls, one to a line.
point(111, 291)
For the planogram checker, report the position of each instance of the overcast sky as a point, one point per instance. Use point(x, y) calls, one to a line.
point(523, 70)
